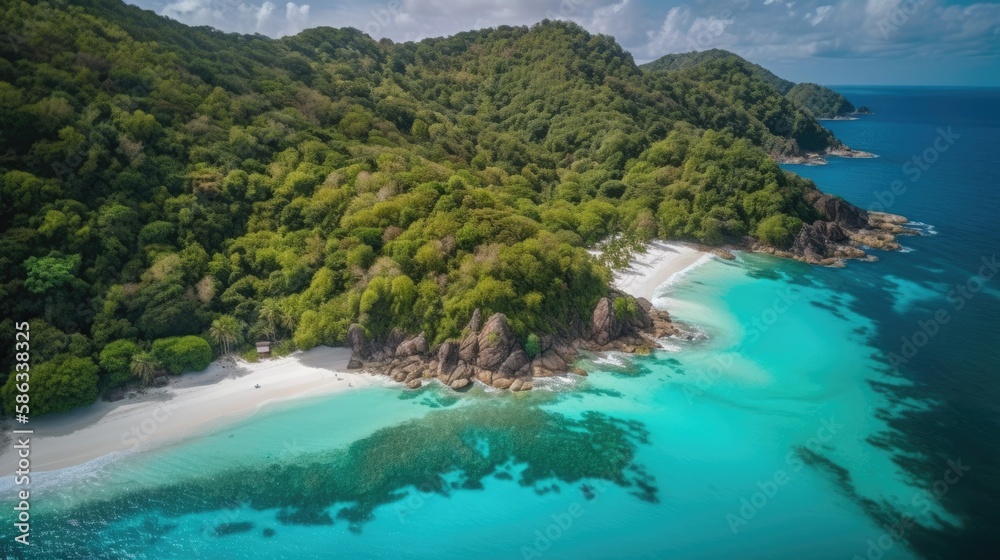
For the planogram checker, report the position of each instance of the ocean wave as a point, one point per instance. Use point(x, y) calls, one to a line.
point(85, 473)
point(612, 359)
point(923, 228)
point(556, 383)
point(680, 274)
point(666, 346)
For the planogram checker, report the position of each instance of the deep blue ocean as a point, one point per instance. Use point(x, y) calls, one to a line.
point(829, 414)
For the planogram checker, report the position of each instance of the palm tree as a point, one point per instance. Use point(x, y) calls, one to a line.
point(144, 367)
point(288, 321)
point(270, 313)
point(226, 330)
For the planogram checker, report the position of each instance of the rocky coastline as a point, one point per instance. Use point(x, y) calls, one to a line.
point(489, 352)
point(844, 232)
point(820, 158)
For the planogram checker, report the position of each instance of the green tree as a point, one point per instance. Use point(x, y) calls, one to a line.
point(226, 331)
point(271, 314)
point(182, 353)
point(143, 366)
point(116, 360)
point(62, 383)
point(53, 271)
point(779, 230)
point(533, 346)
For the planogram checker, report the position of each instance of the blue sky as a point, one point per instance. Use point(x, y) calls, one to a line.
point(910, 42)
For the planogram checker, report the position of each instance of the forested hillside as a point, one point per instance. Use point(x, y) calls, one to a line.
point(169, 193)
point(820, 102)
point(815, 100)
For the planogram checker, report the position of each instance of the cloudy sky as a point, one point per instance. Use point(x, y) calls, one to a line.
point(933, 42)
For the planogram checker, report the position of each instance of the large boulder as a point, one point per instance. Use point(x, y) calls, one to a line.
point(502, 382)
point(469, 350)
point(839, 211)
point(447, 358)
point(463, 371)
point(496, 342)
point(476, 322)
point(392, 342)
point(412, 347)
point(552, 361)
point(818, 240)
point(604, 325)
point(361, 347)
point(514, 363)
point(521, 384)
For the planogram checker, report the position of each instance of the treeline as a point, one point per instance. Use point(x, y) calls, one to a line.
point(171, 194)
point(819, 101)
point(812, 99)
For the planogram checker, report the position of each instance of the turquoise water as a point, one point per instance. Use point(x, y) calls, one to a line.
point(788, 432)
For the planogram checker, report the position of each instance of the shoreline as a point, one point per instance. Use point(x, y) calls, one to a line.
point(662, 263)
point(192, 404)
point(199, 402)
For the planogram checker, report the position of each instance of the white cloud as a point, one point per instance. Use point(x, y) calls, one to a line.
point(263, 14)
point(759, 29)
point(816, 18)
point(233, 15)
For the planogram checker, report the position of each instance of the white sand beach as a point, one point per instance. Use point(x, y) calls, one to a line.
point(225, 392)
point(191, 404)
point(661, 261)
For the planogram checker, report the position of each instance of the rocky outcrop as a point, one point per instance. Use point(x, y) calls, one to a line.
point(605, 326)
point(621, 322)
point(357, 339)
point(843, 232)
point(838, 211)
point(447, 358)
point(412, 347)
point(490, 353)
point(496, 342)
point(395, 338)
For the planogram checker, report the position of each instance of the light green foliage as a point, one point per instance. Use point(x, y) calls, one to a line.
point(778, 230)
point(53, 271)
point(182, 353)
point(624, 308)
point(62, 383)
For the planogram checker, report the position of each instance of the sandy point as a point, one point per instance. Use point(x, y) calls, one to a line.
point(193, 403)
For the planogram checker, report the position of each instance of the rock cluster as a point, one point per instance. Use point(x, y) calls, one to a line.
point(845, 232)
point(490, 353)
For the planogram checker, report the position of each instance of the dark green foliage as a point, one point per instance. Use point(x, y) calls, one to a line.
point(182, 353)
point(160, 182)
point(533, 346)
point(692, 59)
point(748, 80)
point(820, 102)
